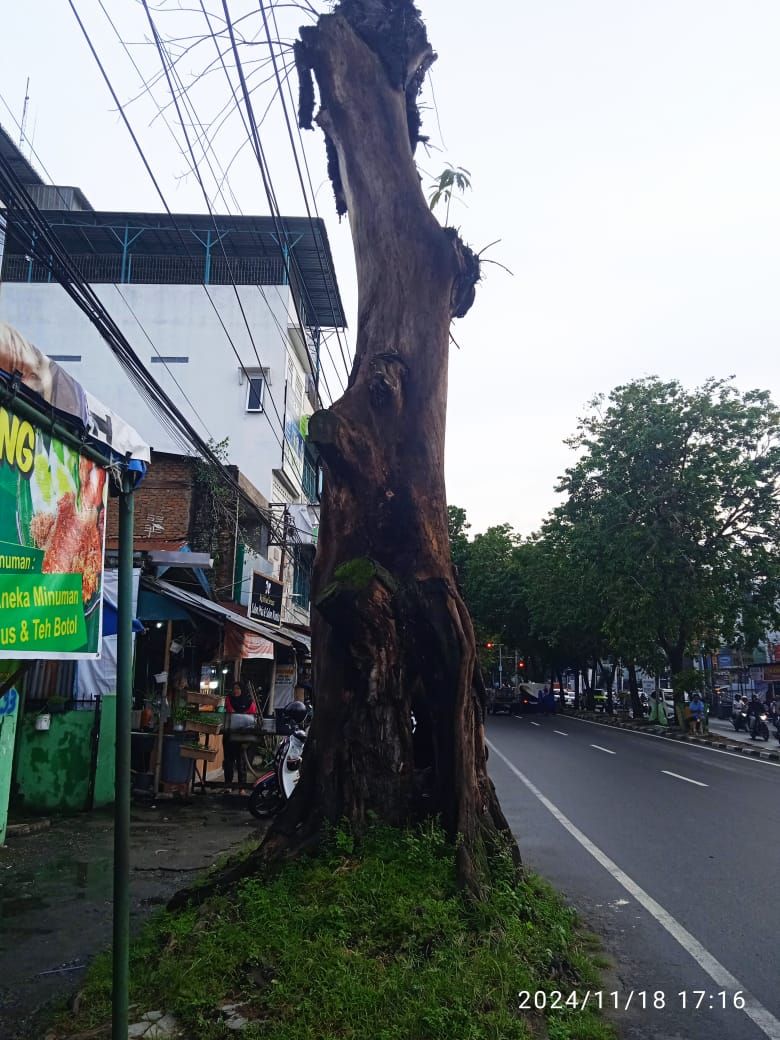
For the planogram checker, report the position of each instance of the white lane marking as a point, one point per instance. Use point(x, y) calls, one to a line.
point(560, 733)
point(521, 717)
point(687, 779)
point(598, 747)
point(535, 723)
point(764, 1019)
point(693, 747)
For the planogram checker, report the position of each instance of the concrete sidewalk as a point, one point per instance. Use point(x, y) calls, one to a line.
point(56, 889)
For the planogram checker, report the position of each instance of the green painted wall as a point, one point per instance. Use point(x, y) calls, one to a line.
point(52, 769)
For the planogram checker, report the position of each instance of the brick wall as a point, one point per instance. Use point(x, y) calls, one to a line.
point(163, 503)
point(173, 505)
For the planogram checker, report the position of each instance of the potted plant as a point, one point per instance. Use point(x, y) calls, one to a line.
point(180, 716)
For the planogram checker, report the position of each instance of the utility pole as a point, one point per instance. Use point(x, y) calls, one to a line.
point(500, 664)
point(282, 557)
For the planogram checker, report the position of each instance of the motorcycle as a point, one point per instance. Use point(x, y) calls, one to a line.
point(739, 721)
point(760, 727)
point(275, 787)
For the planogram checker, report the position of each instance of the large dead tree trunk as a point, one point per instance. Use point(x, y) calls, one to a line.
point(392, 638)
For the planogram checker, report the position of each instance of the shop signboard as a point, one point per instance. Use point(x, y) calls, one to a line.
point(266, 601)
point(52, 533)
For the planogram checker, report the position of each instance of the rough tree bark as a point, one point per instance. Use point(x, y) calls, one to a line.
point(391, 634)
point(636, 703)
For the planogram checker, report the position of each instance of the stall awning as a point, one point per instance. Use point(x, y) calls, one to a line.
point(297, 637)
point(209, 608)
point(111, 617)
point(154, 607)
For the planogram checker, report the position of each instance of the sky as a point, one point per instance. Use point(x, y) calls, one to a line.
point(626, 155)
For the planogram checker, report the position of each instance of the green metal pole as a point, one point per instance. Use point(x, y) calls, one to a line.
point(124, 690)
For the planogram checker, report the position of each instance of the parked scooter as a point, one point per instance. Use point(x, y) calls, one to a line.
point(275, 787)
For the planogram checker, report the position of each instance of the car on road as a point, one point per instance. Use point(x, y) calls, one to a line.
point(527, 698)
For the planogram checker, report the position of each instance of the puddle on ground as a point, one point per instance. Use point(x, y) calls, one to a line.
point(25, 893)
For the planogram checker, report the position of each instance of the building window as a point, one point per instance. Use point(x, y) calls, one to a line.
point(170, 359)
point(64, 357)
point(310, 481)
point(254, 394)
point(301, 579)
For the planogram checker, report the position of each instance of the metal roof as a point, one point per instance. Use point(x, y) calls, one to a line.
point(21, 167)
point(207, 606)
point(184, 235)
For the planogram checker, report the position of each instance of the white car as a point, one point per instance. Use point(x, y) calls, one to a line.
point(668, 696)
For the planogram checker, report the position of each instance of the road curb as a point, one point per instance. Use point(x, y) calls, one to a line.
point(15, 830)
point(661, 731)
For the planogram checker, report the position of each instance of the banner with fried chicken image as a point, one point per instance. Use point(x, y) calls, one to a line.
point(52, 535)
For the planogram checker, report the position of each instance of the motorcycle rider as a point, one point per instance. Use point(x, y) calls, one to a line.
point(739, 706)
point(755, 709)
point(698, 712)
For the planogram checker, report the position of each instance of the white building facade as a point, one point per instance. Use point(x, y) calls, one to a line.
point(208, 306)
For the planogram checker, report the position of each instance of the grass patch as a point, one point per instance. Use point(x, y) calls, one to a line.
point(370, 941)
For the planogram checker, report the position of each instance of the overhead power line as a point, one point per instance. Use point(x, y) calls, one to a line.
point(162, 198)
point(298, 168)
point(268, 188)
point(49, 250)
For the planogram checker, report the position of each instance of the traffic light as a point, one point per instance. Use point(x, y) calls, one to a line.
point(521, 665)
point(489, 646)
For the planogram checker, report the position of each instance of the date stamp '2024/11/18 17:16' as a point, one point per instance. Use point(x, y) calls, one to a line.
point(693, 999)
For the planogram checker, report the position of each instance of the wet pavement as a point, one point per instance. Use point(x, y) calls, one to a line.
point(55, 892)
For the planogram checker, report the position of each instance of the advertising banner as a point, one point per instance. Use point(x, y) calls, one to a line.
point(52, 532)
point(284, 685)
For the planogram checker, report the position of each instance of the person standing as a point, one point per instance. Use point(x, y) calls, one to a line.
point(238, 702)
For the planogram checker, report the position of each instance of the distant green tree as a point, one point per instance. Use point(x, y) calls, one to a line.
point(458, 527)
point(675, 497)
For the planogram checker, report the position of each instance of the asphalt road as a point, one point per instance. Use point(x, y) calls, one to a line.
point(679, 874)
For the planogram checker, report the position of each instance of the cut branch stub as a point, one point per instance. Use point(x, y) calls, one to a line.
point(465, 283)
point(388, 372)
